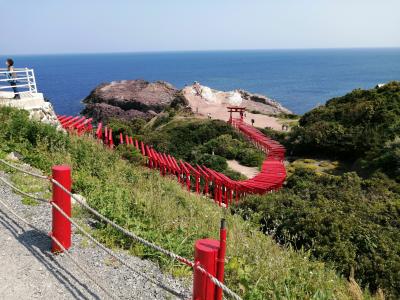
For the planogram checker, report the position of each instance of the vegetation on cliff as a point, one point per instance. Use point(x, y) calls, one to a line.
point(362, 126)
point(158, 209)
point(198, 141)
point(350, 220)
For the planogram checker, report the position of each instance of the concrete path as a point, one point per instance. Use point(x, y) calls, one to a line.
point(29, 271)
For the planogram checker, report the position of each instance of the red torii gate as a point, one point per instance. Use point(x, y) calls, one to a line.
point(239, 109)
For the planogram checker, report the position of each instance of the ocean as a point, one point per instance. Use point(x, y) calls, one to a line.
point(299, 79)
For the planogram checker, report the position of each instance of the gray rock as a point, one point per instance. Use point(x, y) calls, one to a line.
point(14, 156)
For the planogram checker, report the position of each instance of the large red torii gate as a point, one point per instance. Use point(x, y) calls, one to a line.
point(239, 109)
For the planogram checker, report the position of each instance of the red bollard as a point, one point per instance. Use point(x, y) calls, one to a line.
point(61, 226)
point(210, 255)
point(121, 139)
point(221, 259)
point(206, 253)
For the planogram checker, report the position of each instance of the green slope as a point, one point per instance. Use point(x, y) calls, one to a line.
point(159, 210)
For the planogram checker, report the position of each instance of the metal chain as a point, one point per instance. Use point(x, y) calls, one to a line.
point(59, 244)
point(22, 170)
point(150, 244)
point(22, 192)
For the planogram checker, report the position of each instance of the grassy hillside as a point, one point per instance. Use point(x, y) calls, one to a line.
point(158, 209)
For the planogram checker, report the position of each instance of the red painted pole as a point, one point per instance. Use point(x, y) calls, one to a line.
point(99, 132)
point(106, 134)
point(197, 184)
point(205, 255)
point(121, 138)
point(221, 259)
point(110, 137)
point(61, 226)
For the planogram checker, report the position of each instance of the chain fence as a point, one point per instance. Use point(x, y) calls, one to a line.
point(149, 244)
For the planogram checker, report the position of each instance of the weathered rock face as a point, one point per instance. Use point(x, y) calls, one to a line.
point(129, 99)
point(200, 96)
point(44, 113)
point(275, 106)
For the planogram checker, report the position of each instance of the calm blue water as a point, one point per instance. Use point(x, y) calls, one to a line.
point(299, 79)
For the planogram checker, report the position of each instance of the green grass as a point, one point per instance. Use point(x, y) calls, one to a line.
point(158, 209)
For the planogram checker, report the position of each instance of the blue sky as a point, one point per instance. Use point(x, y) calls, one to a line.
point(87, 26)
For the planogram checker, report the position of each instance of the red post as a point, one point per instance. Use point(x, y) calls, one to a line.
point(121, 139)
point(61, 226)
point(205, 255)
point(106, 135)
point(221, 259)
point(110, 137)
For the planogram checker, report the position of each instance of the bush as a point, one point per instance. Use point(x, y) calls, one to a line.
point(215, 162)
point(224, 145)
point(344, 220)
point(130, 153)
point(250, 157)
point(355, 126)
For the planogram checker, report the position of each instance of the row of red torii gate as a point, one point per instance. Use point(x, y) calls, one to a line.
point(200, 179)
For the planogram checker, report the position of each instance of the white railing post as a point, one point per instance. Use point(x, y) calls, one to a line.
point(34, 87)
point(28, 79)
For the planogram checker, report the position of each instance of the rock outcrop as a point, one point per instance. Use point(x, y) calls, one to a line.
point(199, 95)
point(127, 99)
point(45, 114)
point(39, 109)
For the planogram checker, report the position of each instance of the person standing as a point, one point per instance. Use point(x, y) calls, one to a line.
point(11, 75)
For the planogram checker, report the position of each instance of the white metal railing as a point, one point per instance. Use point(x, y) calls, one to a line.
point(23, 79)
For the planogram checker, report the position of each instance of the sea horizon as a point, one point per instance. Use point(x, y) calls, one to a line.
point(199, 50)
point(299, 79)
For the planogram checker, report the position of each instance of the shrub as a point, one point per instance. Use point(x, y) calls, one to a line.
point(354, 126)
point(215, 162)
point(250, 157)
point(343, 220)
point(224, 145)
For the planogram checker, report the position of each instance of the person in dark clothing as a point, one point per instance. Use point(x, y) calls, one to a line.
point(11, 75)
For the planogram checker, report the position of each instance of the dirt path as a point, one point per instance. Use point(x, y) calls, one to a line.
point(29, 271)
point(249, 172)
point(219, 111)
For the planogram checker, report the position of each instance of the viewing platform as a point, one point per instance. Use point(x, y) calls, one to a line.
point(25, 82)
point(26, 95)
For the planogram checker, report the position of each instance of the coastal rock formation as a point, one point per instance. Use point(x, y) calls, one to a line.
point(199, 95)
point(274, 107)
point(129, 99)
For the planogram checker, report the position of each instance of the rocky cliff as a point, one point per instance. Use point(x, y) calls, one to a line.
point(128, 99)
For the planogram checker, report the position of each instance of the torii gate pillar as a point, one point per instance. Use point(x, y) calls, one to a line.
point(240, 110)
